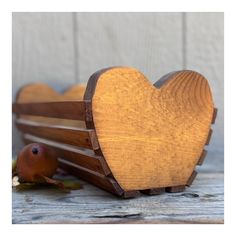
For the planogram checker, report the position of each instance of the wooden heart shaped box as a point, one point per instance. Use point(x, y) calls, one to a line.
point(121, 133)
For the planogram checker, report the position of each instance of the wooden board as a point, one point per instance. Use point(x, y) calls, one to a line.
point(85, 138)
point(42, 93)
point(150, 137)
point(82, 157)
point(203, 203)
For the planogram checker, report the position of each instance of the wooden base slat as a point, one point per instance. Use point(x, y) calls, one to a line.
point(69, 135)
point(96, 179)
point(92, 177)
point(153, 191)
point(130, 194)
point(175, 189)
point(82, 157)
point(74, 110)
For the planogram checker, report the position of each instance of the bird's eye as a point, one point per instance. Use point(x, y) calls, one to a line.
point(35, 150)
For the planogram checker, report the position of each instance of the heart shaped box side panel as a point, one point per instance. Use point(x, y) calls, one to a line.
point(40, 92)
point(150, 137)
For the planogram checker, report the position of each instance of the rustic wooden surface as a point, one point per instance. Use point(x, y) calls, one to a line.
point(151, 137)
point(203, 202)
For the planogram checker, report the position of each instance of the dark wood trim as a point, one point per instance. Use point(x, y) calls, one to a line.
point(81, 137)
point(83, 157)
point(175, 189)
point(89, 92)
point(202, 157)
point(73, 110)
point(209, 137)
point(130, 194)
point(191, 178)
point(88, 95)
point(153, 191)
point(214, 115)
point(92, 177)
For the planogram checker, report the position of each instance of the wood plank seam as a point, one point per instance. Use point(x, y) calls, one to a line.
point(93, 177)
point(70, 135)
point(74, 110)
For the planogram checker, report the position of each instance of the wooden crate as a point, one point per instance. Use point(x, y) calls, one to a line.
point(121, 133)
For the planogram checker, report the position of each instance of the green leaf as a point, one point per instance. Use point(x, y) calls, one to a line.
point(71, 184)
point(13, 166)
point(63, 185)
point(25, 186)
point(66, 185)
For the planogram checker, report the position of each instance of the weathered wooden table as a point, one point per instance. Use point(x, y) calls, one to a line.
point(203, 202)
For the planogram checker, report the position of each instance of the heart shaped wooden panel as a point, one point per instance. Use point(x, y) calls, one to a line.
point(40, 92)
point(150, 136)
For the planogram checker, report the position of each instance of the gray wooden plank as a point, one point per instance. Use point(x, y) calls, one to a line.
point(151, 42)
point(205, 54)
point(203, 202)
point(42, 51)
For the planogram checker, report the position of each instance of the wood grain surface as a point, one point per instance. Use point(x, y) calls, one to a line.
point(49, 103)
point(81, 137)
point(203, 203)
point(151, 137)
point(79, 156)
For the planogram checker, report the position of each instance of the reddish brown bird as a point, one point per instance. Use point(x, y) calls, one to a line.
point(36, 161)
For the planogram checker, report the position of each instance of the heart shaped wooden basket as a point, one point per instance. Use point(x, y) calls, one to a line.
point(122, 133)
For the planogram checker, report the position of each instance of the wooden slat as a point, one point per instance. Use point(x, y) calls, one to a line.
point(82, 157)
point(80, 137)
point(95, 178)
point(209, 137)
point(153, 191)
point(175, 189)
point(202, 157)
point(191, 178)
point(74, 110)
point(214, 115)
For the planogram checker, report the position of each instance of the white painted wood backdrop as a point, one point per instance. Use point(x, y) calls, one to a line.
point(62, 49)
